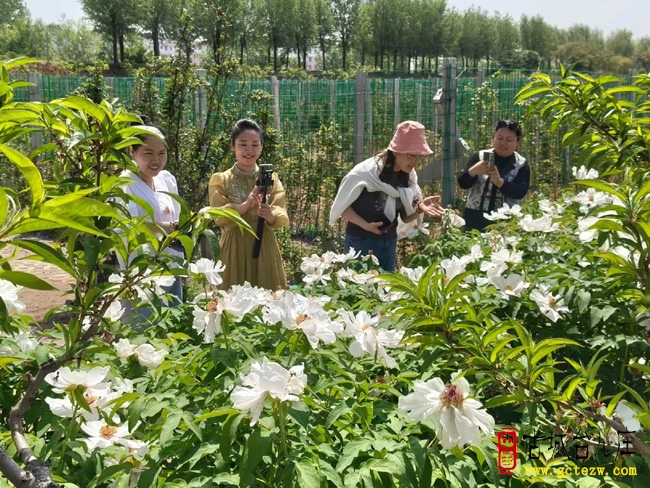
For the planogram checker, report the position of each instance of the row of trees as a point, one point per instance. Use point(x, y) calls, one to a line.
point(389, 34)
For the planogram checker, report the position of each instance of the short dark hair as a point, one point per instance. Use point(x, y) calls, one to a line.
point(243, 125)
point(511, 125)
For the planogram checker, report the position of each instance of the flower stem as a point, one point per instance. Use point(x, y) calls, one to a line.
point(279, 409)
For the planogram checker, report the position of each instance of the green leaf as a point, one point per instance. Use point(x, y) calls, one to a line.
point(111, 471)
point(48, 253)
point(4, 206)
point(547, 346)
point(63, 220)
point(70, 197)
point(29, 171)
point(27, 280)
point(226, 479)
point(168, 428)
point(15, 62)
point(308, 477)
point(4, 360)
point(85, 106)
point(149, 479)
point(4, 317)
point(91, 251)
point(257, 446)
point(583, 298)
point(134, 412)
point(351, 451)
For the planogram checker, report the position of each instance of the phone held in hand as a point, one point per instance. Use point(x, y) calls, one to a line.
point(489, 158)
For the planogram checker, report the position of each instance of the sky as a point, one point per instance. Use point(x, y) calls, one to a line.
point(606, 15)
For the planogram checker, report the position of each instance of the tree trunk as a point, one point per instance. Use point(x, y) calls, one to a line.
point(121, 47)
point(275, 58)
point(322, 50)
point(242, 45)
point(155, 38)
point(344, 46)
point(114, 35)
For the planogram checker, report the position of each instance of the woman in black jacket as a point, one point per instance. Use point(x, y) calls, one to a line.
point(495, 176)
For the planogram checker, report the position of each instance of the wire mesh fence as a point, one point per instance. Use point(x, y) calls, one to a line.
point(328, 125)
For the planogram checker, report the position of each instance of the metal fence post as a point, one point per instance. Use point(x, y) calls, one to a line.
point(275, 91)
point(359, 125)
point(200, 99)
point(333, 100)
point(396, 103)
point(35, 95)
point(369, 119)
point(449, 131)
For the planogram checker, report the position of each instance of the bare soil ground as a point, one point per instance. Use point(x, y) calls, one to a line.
point(39, 302)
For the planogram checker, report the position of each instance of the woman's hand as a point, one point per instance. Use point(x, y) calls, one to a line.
point(480, 168)
point(253, 200)
point(374, 227)
point(431, 207)
point(266, 213)
point(168, 227)
point(495, 177)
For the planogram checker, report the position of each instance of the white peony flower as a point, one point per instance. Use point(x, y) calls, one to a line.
point(585, 232)
point(550, 208)
point(9, 295)
point(368, 338)
point(591, 198)
point(453, 218)
point(542, 224)
point(452, 267)
point(307, 314)
point(268, 379)
point(583, 173)
point(624, 415)
point(317, 275)
point(458, 419)
point(149, 356)
point(475, 253)
point(124, 348)
point(207, 322)
point(512, 286)
point(103, 435)
point(209, 269)
point(413, 274)
point(415, 230)
point(500, 260)
point(550, 305)
point(314, 263)
point(504, 213)
point(65, 379)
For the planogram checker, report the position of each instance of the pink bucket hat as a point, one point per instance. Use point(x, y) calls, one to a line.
point(410, 138)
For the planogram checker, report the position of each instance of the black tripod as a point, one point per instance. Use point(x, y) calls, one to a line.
point(265, 181)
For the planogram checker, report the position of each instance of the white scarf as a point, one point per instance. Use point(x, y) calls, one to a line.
point(366, 175)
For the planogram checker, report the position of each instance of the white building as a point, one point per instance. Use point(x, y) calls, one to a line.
point(168, 49)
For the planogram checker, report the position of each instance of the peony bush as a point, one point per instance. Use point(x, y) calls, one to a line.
point(351, 378)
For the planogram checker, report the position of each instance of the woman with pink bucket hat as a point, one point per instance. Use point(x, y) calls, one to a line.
point(380, 197)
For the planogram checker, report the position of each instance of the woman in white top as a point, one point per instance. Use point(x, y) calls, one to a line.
point(150, 184)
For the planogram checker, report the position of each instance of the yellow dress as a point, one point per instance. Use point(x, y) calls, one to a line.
point(228, 189)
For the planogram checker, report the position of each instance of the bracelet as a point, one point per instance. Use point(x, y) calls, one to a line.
point(417, 208)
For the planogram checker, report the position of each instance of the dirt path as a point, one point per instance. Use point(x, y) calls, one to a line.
point(39, 302)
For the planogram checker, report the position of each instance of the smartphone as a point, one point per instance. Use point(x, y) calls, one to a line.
point(487, 156)
point(385, 228)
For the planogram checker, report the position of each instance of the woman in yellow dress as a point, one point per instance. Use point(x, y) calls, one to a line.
point(236, 188)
